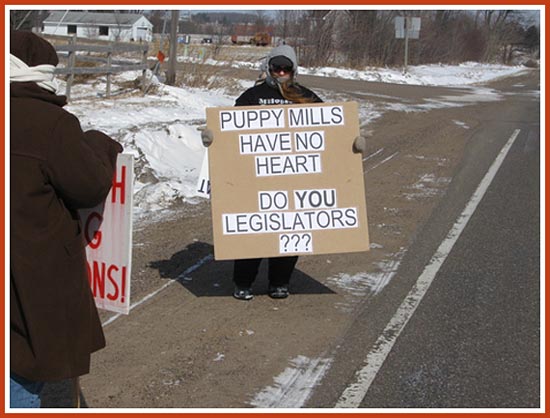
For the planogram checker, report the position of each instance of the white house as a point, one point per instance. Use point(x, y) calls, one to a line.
point(114, 26)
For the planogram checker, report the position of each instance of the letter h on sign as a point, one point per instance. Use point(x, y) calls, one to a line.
point(119, 185)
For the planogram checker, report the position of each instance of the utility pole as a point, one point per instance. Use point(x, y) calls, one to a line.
point(285, 16)
point(171, 73)
point(407, 24)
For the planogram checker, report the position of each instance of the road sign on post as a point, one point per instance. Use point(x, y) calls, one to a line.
point(407, 28)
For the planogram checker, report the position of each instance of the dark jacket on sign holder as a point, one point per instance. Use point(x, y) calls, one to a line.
point(55, 169)
point(272, 90)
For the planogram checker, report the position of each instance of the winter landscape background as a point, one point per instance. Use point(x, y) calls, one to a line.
point(161, 129)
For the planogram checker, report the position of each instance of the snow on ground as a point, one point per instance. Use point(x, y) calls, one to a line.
point(424, 75)
point(161, 131)
point(428, 75)
point(293, 387)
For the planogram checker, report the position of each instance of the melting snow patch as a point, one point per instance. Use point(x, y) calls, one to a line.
point(427, 186)
point(369, 283)
point(171, 382)
point(293, 387)
point(460, 123)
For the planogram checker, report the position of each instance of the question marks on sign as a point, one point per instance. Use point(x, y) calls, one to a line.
point(295, 240)
point(295, 243)
point(308, 239)
point(283, 243)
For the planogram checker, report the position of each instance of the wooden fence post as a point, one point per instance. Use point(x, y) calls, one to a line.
point(72, 63)
point(109, 58)
point(144, 72)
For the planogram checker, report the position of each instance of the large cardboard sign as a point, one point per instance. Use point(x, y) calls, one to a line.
point(108, 231)
point(284, 181)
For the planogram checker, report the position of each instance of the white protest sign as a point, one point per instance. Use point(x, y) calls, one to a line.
point(108, 231)
point(285, 181)
point(203, 182)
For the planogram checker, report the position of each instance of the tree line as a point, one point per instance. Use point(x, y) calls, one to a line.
point(359, 38)
point(367, 37)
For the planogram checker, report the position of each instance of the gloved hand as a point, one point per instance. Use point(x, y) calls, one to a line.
point(359, 145)
point(207, 137)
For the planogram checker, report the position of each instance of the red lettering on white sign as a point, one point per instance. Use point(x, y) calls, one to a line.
point(119, 186)
point(115, 283)
point(92, 233)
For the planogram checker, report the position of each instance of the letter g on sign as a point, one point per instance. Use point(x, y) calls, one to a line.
point(91, 230)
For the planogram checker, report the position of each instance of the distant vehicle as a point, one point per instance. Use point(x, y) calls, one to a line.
point(184, 39)
point(206, 41)
point(258, 39)
point(261, 39)
point(240, 39)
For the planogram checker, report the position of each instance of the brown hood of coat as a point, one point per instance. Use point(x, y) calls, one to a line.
point(32, 49)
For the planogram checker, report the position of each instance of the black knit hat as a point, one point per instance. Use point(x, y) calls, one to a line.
point(32, 49)
point(281, 61)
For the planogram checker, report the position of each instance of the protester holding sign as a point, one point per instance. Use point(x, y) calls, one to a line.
point(279, 87)
point(55, 169)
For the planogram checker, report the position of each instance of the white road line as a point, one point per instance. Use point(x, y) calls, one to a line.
point(356, 392)
point(368, 157)
point(160, 289)
point(385, 160)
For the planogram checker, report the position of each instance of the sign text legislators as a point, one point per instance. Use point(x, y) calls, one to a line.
point(284, 180)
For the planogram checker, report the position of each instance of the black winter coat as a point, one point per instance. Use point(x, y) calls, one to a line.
point(263, 94)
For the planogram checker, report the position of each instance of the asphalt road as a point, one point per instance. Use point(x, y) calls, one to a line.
point(474, 340)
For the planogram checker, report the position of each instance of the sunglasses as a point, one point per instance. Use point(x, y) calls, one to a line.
point(281, 68)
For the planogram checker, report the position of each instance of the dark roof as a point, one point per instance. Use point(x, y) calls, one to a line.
point(93, 18)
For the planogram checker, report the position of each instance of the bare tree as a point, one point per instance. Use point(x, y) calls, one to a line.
point(367, 37)
point(532, 38)
point(261, 20)
point(27, 19)
point(494, 27)
point(282, 20)
point(318, 29)
point(117, 30)
point(220, 31)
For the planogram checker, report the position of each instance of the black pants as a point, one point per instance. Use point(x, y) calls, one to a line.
point(279, 270)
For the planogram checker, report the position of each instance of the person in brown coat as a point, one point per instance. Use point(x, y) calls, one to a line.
point(55, 169)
